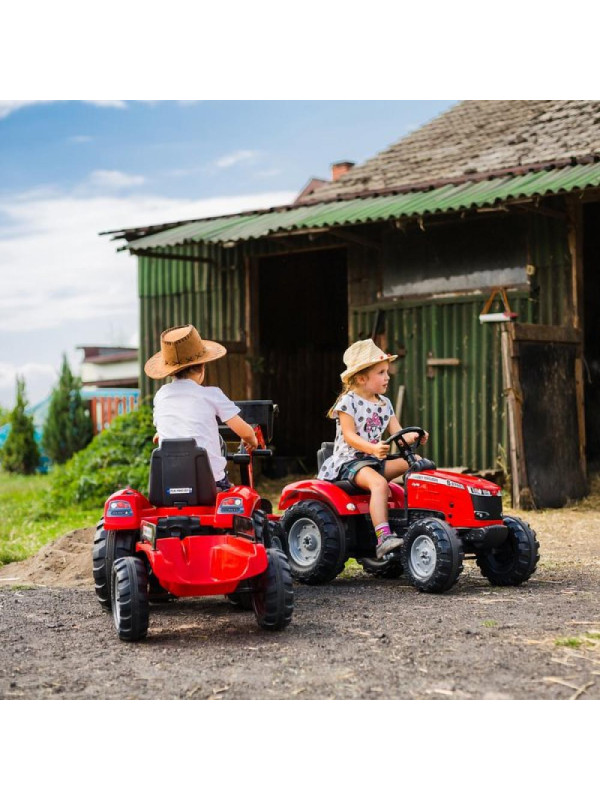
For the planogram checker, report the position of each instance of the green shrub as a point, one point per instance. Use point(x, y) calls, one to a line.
point(116, 458)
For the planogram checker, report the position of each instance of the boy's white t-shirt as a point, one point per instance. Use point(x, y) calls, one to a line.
point(183, 409)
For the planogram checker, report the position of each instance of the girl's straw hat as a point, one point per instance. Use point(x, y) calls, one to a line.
point(363, 354)
point(181, 347)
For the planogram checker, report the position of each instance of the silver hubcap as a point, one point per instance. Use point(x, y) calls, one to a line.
point(116, 606)
point(304, 542)
point(423, 557)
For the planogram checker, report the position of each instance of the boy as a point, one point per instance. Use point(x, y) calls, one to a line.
point(185, 408)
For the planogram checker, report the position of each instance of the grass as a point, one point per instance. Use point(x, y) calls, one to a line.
point(26, 523)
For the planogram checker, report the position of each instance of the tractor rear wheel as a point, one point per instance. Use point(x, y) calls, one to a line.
point(108, 547)
point(273, 596)
point(130, 598)
point(516, 559)
point(432, 555)
point(314, 542)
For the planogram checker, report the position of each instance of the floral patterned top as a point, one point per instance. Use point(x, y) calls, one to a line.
point(371, 418)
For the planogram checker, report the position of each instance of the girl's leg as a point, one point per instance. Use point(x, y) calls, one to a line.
point(377, 485)
point(368, 478)
point(394, 469)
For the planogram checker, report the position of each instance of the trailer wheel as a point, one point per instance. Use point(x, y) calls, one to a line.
point(515, 561)
point(382, 569)
point(130, 598)
point(432, 555)
point(273, 596)
point(314, 542)
point(108, 547)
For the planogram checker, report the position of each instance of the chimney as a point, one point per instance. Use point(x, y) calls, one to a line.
point(340, 168)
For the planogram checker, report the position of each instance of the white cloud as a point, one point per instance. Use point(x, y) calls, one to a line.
point(235, 158)
point(80, 139)
point(64, 285)
point(9, 106)
point(113, 179)
point(38, 379)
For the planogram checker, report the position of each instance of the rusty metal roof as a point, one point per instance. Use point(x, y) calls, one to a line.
point(338, 213)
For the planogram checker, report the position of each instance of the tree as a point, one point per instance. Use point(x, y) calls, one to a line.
point(20, 452)
point(68, 427)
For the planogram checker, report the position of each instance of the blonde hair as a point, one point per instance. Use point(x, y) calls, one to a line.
point(348, 385)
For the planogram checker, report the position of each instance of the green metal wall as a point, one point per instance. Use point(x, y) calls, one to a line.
point(461, 406)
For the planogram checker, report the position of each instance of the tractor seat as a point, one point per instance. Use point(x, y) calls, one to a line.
point(347, 486)
point(181, 475)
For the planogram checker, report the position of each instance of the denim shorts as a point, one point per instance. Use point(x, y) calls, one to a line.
point(350, 469)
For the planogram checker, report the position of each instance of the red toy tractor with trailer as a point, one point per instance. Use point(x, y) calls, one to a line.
point(187, 539)
point(439, 515)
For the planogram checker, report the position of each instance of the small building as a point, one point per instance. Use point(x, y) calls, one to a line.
point(109, 379)
point(409, 248)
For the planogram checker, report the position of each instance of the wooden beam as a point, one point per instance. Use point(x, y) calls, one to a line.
point(173, 256)
point(521, 493)
point(528, 332)
point(354, 239)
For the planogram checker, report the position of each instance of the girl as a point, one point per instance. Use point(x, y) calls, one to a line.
point(362, 414)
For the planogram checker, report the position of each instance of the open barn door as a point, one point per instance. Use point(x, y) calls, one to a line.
point(542, 370)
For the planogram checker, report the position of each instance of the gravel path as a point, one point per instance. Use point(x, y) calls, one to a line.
point(359, 637)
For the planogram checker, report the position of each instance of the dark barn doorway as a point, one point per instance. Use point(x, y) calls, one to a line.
point(303, 332)
point(591, 317)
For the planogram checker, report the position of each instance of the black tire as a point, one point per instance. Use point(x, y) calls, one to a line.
point(108, 546)
point(273, 596)
point(130, 598)
point(382, 569)
point(241, 600)
point(432, 555)
point(314, 542)
point(515, 561)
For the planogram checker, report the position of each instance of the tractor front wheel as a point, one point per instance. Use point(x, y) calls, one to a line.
point(130, 598)
point(273, 595)
point(516, 559)
point(314, 542)
point(108, 547)
point(432, 555)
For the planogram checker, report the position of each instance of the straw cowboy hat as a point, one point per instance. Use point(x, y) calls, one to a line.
point(363, 354)
point(181, 347)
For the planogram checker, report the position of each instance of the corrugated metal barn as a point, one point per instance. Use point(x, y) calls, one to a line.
point(408, 248)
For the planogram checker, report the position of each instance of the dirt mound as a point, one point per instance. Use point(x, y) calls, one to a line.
point(64, 562)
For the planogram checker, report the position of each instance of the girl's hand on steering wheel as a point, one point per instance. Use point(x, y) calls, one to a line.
point(380, 450)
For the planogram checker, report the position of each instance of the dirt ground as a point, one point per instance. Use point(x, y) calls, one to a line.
point(356, 638)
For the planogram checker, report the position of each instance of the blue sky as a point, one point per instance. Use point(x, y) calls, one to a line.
point(69, 170)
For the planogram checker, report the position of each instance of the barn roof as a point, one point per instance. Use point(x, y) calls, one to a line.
point(336, 213)
point(477, 154)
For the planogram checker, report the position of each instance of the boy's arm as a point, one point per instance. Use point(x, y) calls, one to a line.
point(244, 431)
point(379, 450)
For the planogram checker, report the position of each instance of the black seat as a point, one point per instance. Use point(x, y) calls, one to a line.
point(347, 486)
point(181, 475)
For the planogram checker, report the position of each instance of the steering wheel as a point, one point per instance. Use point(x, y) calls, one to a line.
point(407, 451)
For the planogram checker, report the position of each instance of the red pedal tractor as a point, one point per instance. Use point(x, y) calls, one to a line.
point(186, 539)
point(439, 515)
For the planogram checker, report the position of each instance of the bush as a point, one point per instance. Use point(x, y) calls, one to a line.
point(20, 453)
point(116, 458)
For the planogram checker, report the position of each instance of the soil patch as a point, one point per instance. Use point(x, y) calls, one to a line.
point(357, 638)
